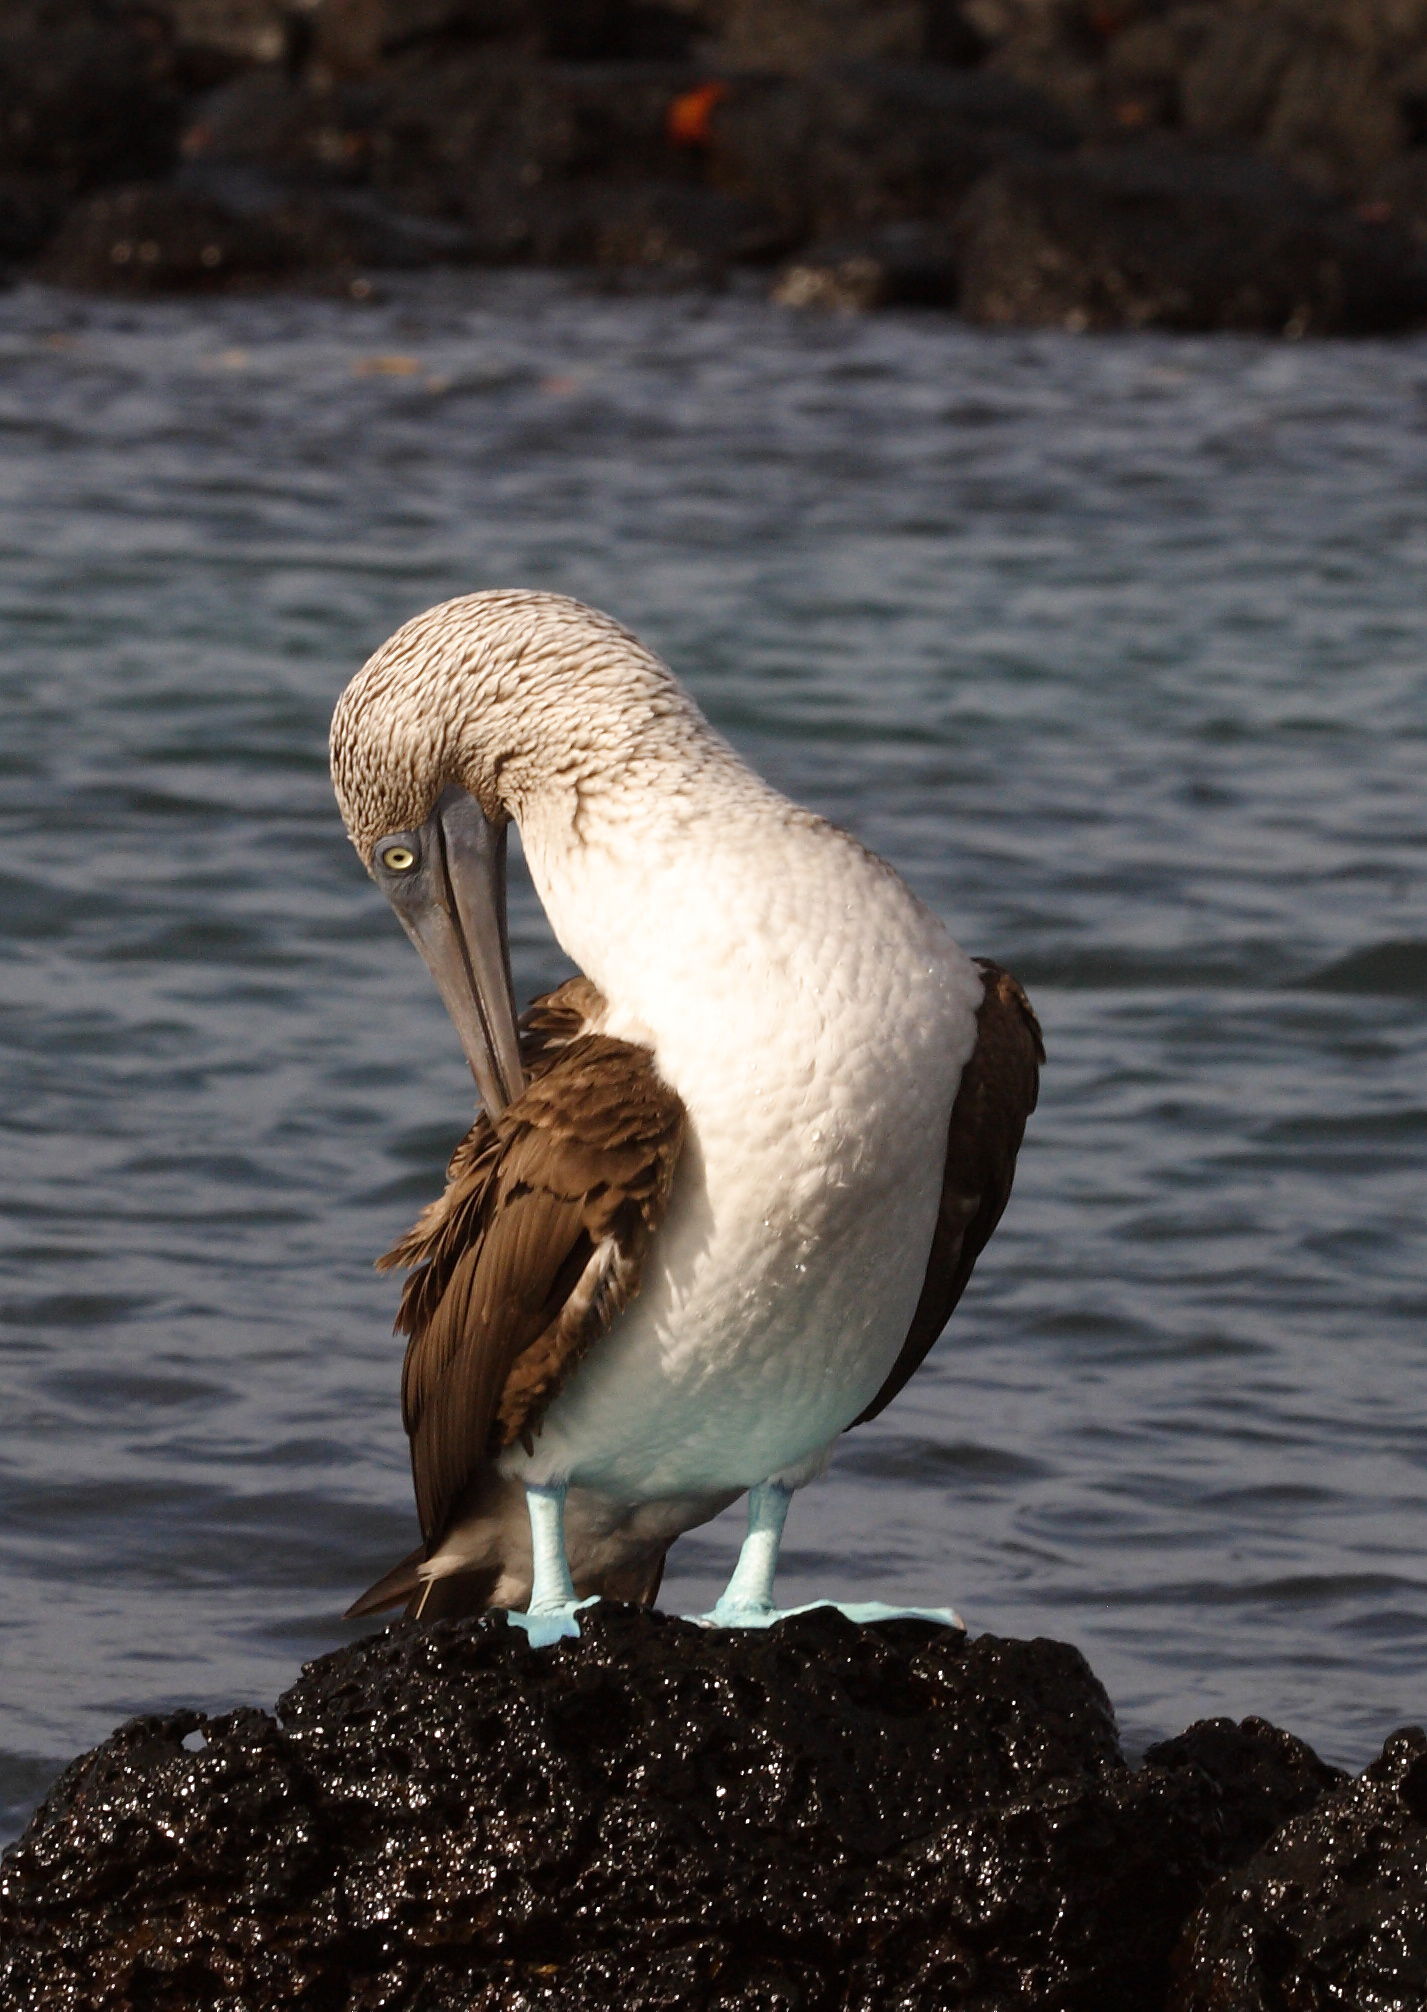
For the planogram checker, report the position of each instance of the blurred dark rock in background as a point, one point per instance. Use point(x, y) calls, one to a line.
point(87, 95)
point(1238, 164)
point(657, 1815)
point(856, 144)
point(897, 265)
point(1159, 235)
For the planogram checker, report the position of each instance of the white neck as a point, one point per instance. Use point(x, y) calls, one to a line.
point(723, 918)
point(644, 873)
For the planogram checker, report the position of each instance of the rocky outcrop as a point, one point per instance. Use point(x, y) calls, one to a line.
point(1162, 236)
point(86, 95)
point(1135, 163)
point(1331, 1912)
point(899, 265)
point(155, 239)
point(851, 145)
point(659, 1815)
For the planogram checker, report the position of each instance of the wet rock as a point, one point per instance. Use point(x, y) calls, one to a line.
point(167, 238)
point(820, 1816)
point(1399, 194)
point(1162, 236)
point(682, 230)
point(1263, 1775)
point(245, 31)
point(31, 208)
point(152, 238)
point(798, 35)
point(791, 37)
point(450, 139)
point(1257, 167)
point(1055, 47)
point(1302, 95)
point(599, 31)
point(1316, 89)
point(951, 36)
point(678, 230)
point(901, 265)
point(291, 133)
point(86, 93)
point(858, 145)
point(560, 163)
point(1331, 1913)
point(350, 38)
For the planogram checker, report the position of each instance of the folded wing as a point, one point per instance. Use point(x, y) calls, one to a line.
point(994, 1098)
point(535, 1246)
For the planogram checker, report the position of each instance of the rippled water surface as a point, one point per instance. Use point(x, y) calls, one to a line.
point(1115, 647)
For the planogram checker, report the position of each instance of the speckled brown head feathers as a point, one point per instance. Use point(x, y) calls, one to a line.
point(507, 694)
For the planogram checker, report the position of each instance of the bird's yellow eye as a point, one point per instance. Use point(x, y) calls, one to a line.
point(398, 859)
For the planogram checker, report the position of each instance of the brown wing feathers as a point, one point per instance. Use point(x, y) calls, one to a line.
point(533, 1248)
point(994, 1098)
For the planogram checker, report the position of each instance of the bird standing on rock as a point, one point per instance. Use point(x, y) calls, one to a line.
point(727, 1186)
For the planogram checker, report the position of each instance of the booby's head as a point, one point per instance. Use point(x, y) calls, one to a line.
point(486, 710)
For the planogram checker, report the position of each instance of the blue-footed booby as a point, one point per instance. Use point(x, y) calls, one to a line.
point(726, 1186)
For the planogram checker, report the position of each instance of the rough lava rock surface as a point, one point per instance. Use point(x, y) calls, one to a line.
point(817, 1816)
point(1331, 1913)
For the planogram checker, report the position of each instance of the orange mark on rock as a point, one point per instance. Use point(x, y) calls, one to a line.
point(687, 121)
point(387, 366)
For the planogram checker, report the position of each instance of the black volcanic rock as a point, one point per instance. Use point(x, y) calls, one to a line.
point(270, 123)
point(1082, 164)
point(898, 265)
point(451, 137)
point(684, 231)
point(154, 238)
point(30, 212)
point(1332, 1913)
point(1162, 236)
point(825, 1817)
point(211, 233)
point(1264, 1777)
point(86, 93)
point(853, 145)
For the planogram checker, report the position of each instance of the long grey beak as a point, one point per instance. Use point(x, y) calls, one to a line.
point(451, 904)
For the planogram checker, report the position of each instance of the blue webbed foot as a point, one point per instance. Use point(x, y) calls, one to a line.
point(863, 1611)
point(735, 1614)
point(739, 1614)
point(551, 1624)
point(747, 1600)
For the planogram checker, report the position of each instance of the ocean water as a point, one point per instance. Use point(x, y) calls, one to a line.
point(1115, 647)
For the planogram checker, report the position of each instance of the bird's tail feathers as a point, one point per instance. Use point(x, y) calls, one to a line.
point(454, 1595)
point(401, 1584)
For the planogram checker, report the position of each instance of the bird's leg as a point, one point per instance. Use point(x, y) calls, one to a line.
point(747, 1599)
point(551, 1609)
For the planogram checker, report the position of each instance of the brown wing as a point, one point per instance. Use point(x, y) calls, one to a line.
point(536, 1244)
point(994, 1098)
